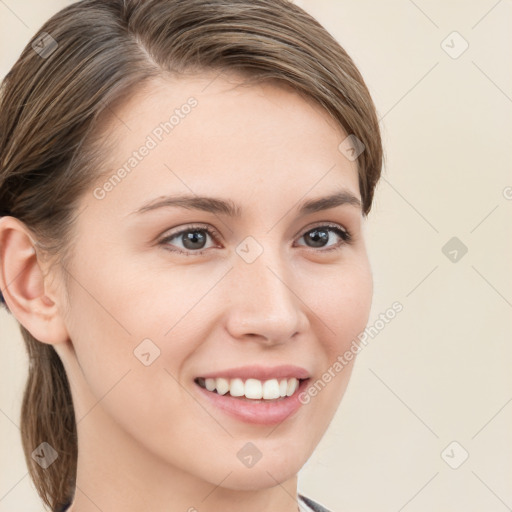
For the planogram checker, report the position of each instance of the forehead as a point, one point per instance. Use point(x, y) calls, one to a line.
point(215, 133)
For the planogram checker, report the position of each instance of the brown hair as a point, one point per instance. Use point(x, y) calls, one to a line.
point(95, 52)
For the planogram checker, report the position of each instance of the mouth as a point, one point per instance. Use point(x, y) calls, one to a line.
point(255, 394)
point(251, 389)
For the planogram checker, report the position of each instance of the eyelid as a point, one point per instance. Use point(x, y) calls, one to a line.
point(191, 227)
point(321, 224)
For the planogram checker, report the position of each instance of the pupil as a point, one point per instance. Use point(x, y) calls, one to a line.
point(194, 237)
point(316, 237)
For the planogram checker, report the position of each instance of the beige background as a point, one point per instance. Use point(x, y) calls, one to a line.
point(440, 371)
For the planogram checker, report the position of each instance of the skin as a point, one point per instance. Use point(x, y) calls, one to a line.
point(147, 439)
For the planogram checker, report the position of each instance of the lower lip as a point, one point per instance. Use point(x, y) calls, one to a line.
point(261, 412)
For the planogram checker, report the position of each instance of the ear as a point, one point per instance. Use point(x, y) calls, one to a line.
point(23, 285)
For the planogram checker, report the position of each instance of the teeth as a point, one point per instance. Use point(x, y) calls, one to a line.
point(292, 386)
point(222, 386)
point(283, 386)
point(236, 387)
point(271, 389)
point(252, 388)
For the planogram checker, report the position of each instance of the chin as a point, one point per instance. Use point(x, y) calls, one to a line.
point(260, 477)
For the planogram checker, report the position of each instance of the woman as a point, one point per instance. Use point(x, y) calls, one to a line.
point(165, 376)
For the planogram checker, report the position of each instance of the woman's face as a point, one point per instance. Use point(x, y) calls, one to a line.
point(232, 282)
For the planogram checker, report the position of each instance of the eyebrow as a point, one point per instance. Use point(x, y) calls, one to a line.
point(229, 208)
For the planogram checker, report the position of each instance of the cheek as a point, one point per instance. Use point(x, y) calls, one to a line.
point(343, 305)
point(120, 320)
point(131, 377)
point(354, 305)
point(344, 308)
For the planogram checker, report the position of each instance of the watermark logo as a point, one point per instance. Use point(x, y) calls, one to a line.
point(249, 455)
point(454, 45)
point(44, 45)
point(454, 250)
point(454, 455)
point(146, 352)
point(249, 249)
point(351, 147)
point(45, 455)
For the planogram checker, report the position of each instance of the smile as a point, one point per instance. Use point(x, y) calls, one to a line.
point(253, 389)
point(255, 394)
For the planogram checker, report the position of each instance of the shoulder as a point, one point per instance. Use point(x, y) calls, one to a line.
point(313, 506)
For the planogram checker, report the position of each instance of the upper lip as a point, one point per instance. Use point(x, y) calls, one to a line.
point(260, 372)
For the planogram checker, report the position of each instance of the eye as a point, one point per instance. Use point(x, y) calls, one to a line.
point(320, 236)
point(193, 239)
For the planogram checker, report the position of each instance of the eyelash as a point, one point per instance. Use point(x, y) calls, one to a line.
point(345, 236)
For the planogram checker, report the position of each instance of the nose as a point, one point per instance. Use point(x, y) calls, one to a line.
point(262, 304)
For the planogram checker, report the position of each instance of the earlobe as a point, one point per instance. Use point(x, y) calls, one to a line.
point(23, 284)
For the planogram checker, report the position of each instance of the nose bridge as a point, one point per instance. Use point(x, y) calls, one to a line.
point(264, 303)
